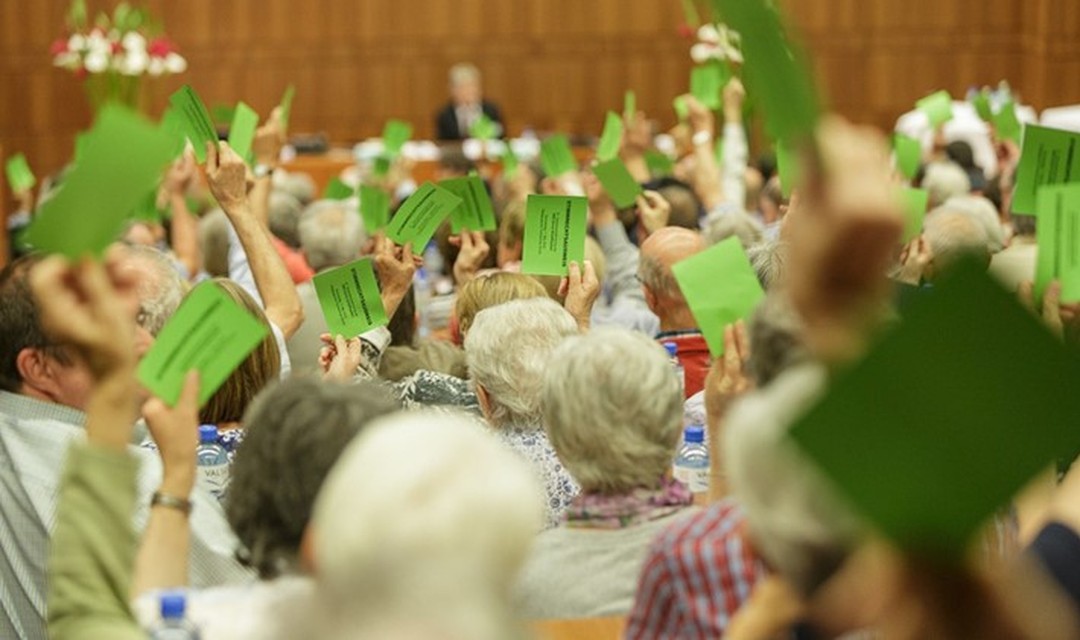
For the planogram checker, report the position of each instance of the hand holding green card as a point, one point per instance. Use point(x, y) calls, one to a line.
point(420, 216)
point(937, 107)
point(618, 182)
point(349, 297)
point(209, 333)
point(242, 130)
point(475, 212)
point(927, 459)
point(611, 138)
point(197, 125)
point(1058, 236)
point(19, 175)
point(1006, 123)
point(721, 287)
point(374, 208)
point(395, 134)
point(336, 189)
point(555, 229)
point(122, 160)
point(556, 156)
point(706, 84)
point(1048, 157)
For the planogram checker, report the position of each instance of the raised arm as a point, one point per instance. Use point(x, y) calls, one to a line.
point(736, 151)
point(185, 227)
point(227, 175)
point(266, 146)
point(706, 175)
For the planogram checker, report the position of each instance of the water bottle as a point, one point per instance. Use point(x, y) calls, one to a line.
point(422, 293)
point(173, 625)
point(433, 260)
point(213, 461)
point(692, 461)
point(673, 358)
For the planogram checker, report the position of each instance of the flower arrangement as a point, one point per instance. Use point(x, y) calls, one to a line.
point(115, 53)
point(717, 42)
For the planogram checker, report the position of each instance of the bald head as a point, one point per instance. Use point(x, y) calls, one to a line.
point(662, 250)
point(952, 235)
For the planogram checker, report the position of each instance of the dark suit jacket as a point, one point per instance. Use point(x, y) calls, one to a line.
point(446, 124)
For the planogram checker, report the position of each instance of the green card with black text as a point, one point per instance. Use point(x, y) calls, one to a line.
point(1058, 234)
point(1047, 157)
point(554, 234)
point(420, 216)
point(475, 212)
point(349, 297)
point(197, 125)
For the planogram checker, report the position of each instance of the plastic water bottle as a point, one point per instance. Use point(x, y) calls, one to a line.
point(692, 461)
point(213, 461)
point(673, 357)
point(433, 260)
point(173, 625)
point(422, 293)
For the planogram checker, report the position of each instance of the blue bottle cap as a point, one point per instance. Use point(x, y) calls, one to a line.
point(672, 349)
point(207, 433)
point(694, 433)
point(172, 605)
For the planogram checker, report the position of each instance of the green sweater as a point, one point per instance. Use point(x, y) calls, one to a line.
point(92, 556)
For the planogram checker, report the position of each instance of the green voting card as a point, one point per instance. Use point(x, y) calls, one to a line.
point(1058, 234)
point(554, 234)
point(787, 166)
point(395, 134)
point(1047, 157)
point(420, 216)
point(659, 164)
point(928, 452)
point(914, 203)
point(556, 156)
point(611, 138)
point(381, 166)
point(509, 162)
point(374, 208)
point(682, 111)
point(706, 84)
point(721, 287)
point(349, 297)
point(223, 113)
point(618, 182)
point(146, 208)
point(19, 176)
point(981, 102)
point(908, 153)
point(123, 158)
point(1006, 123)
point(286, 105)
point(629, 109)
point(483, 128)
point(196, 122)
point(475, 212)
point(775, 69)
point(209, 333)
point(172, 123)
point(242, 130)
point(937, 107)
point(336, 189)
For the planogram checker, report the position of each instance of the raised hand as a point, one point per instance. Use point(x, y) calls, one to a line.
point(580, 289)
point(176, 433)
point(269, 139)
point(180, 174)
point(914, 260)
point(339, 358)
point(474, 250)
point(228, 176)
point(395, 267)
point(654, 211)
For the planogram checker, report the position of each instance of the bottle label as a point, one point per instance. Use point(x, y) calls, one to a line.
point(215, 479)
point(696, 479)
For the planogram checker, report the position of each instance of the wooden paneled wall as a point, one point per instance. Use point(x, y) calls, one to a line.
point(551, 64)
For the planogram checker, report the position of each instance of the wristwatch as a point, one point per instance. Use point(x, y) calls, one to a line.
point(701, 138)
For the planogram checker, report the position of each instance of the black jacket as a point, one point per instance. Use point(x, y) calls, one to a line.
point(446, 124)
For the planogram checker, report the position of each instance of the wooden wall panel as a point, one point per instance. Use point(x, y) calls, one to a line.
point(551, 64)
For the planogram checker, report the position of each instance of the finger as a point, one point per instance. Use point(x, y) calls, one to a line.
point(340, 344)
point(590, 273)
point(455, 240)
point(189, 393)
point(466, 240)
point(1052, 300)
point(564, 287)
point(731, 350)
point(575, 273)
point(652, 197)
point(407, 253)
point(742, 341)
point(211, 156)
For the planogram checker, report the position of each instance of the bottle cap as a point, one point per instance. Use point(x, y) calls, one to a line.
point(672, 349)
point(172, 604)
point(694, 433)
point(207, 433)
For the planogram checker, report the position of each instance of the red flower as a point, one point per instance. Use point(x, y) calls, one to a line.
point(81, 73)
point(686, 31)
point(160, 47)
point(117, 48)
point(59, 46)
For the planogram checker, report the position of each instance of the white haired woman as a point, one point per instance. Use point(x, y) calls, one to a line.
point(613, 411)
point(420, 531)
point(508, 349)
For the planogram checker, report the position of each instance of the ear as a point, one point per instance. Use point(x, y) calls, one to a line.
point(307, 551)
point(485, 401)
point(650, 298)
point(38, 372)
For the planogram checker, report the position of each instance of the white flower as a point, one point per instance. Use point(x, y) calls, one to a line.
point(175, 63)
point(134, 41)
point(134, 63)
point(97, 42)
point(708, 33)
point(96, 61)
point(156, 67)
point(68, 60)
point(76, 42)
point(701, 52)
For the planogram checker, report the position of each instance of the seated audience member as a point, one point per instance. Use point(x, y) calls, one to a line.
point(959, 151)
point(214, 243)
point(768, 260)
point(944, 180)
point(614, 413)
point(408, 354)
point(330, 236)
point(508, 348)
point(685, 206)
point(420, 531)
point(1016, 263)
point(677, 324)
point(46, 384)
point(297, 185)
point(283, 217)
point(949, 236)
point(511, 237)
point(456, 119)
point(982, 211)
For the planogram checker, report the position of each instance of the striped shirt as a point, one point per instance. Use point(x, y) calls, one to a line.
point(34, 439)
point(698, 573)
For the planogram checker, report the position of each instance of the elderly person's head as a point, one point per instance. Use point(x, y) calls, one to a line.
point(769, 260)
point(421, 529)
point(508, 349)
point(159, 287)
point(295, 432)
point(613, 410)
point(489, 290)
point(511, 234)
point(943, 180)
point(297, 185)
point(982, 211)
point(284, 218)
point(952, 235)
point(214, 243)
point(658, 254)
point(330, 235)
point(796, 522)
point(776, 345)
point(465, 88)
